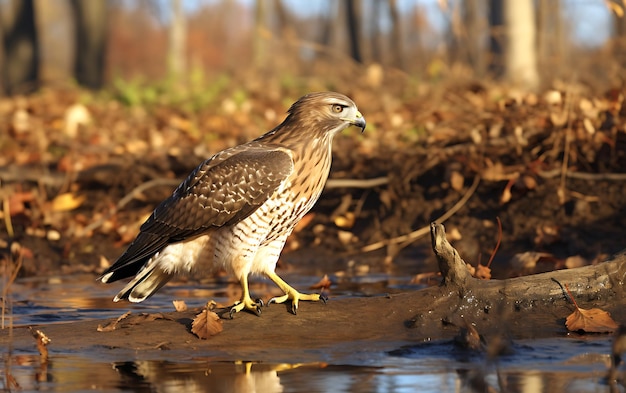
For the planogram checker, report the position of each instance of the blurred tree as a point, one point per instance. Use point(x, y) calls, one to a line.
point(513, 31)
point(496, 37)
point(90, 18)
point(551, 46)
point(475, 26)
point(375, 41)
point(261, 34)
point(618, 31)
point(353, 19)
point(396, 35)
point(20, 71)
point(177, 47)
point(288, 35)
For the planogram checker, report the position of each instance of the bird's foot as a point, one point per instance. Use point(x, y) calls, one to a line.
point(295, 297)
point(253, 306)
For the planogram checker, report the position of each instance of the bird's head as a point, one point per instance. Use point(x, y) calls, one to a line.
point(327, 112)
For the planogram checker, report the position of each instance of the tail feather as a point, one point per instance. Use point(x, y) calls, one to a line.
point(145, 284)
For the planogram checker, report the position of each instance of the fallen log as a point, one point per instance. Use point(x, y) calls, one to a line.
point(524, 307)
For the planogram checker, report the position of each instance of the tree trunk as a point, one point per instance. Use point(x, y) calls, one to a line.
point(260, 37)
point(90, 18)
point(552, 47)
point(377, 52)
point(177, 49)
point(619, 37)
point(20, 73)
point(521, 48)
point(496, 38)
point(475, 26)
point(353, 23)
point(396, 35)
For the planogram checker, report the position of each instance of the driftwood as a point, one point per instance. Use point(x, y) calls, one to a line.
point(525, 307)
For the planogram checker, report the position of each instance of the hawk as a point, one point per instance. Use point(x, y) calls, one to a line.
point(237, 208)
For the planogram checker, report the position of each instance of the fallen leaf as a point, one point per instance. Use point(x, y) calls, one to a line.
point(482, 272)
point(593, 320)
point(180, 305)
point(207, 323)
point(527, 261)
point(66, 202)
point(345, 221)
point(16, 202)
point(324, 283)
point(575, 261)
point(457, 181)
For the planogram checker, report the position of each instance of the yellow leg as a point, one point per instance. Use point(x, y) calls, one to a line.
point(246, 302)
point(292, 294)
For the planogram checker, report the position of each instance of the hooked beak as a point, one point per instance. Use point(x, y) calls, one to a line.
point(358, 121)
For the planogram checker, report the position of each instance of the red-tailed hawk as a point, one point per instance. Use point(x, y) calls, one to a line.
point(236, 209)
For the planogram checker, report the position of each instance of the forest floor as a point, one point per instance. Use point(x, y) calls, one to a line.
point(80, 172)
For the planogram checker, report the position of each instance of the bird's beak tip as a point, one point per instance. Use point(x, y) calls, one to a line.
point(360, 122)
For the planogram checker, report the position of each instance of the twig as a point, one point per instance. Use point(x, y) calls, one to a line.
point(495, 249)
point(411, 237)
point(357, 183)
point(6, 207)
point(566, 150)
point(582, 175)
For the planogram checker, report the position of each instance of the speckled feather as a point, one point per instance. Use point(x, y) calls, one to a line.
point(222, 190)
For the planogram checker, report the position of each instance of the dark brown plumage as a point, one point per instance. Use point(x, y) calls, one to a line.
point(236, 209)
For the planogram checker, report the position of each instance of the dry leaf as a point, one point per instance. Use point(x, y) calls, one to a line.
point(180, 305)
point(75, 116)
point(457, 181)
point(594, 320)
point(17, 200)
point(109, 327)
point(207, 323)
point(482, 272)
point(66, 202)
point(345, 220)
point(42, 343)
point(527, 261)
point(575, 261)
point(324, 283)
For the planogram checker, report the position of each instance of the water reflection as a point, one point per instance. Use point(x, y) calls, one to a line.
point(196, 378)
point(70, 372)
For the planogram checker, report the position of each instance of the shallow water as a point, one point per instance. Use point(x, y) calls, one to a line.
point(554, 365)
point(564, 364)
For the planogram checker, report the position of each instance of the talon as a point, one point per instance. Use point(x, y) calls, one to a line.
point(259, 302)
point(324, 298)
point(277, 300)
point(252, 306)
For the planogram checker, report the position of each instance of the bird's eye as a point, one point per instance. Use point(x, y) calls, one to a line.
point(337, 108)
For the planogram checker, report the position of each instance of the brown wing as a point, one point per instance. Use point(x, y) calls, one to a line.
point(220, 191)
